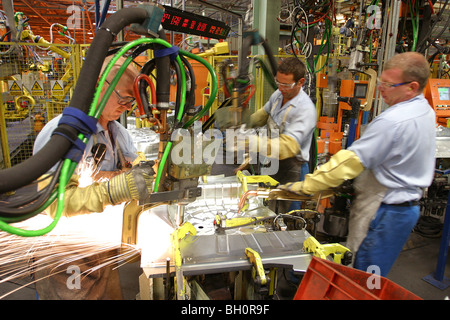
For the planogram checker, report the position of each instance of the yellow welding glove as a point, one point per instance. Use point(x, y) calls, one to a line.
point(141, 157)
point(344, 165)
point(135, 184)
point(281, 148)
point(258, 119)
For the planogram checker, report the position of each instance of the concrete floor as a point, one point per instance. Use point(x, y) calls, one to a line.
point(417, 260)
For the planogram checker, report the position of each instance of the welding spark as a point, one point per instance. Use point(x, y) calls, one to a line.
point(73, 239)
point(78, 237)
point(87, 171)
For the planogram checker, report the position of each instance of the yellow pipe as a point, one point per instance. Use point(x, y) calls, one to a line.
point(28, 34)
point(3, 133)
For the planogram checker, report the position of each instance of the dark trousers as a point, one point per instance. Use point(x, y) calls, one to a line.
point(289, 171)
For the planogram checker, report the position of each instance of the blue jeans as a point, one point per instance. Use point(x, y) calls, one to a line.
point(388, 232)
point(296, 205)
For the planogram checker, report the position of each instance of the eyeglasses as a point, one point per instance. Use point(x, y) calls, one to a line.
point(285, 85)
point(122, 100)
point(390, 85)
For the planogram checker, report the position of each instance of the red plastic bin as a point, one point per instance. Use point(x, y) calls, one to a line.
point(326, 280)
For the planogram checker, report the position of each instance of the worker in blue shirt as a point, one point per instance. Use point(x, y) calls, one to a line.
point(119, 177)
point(290, 117)
point(392, 161)
point(110, 151)
point(117, 150)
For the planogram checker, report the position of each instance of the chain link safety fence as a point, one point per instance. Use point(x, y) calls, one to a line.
point(36, 83)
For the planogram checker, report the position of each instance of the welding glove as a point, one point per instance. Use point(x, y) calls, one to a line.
point(258, 119)
point(344, 165)
point(135, 184)
point(281, 147)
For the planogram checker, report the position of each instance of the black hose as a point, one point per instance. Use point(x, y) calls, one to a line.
point(250, 40)
point(190, 101)
point(26, 211)
point(244, 62)
point(178, 95)
point(428, 227)
point(272, 61)
point(148, 68)
point(163, 75)
point(35, 166)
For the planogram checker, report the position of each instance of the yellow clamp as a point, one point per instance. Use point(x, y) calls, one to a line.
point(245, 180)
point(176, 236)
point(258, 269)
point(179, 234)
point(324, 250)
point(221, 222)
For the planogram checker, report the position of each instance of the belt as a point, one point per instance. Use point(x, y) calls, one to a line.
point(404, 204)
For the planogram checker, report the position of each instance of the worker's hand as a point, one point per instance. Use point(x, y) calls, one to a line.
point(258, 119)
point(294, 187)
point(135, 184)
point(242, 138)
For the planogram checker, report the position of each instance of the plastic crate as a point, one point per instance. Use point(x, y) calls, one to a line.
point(326, 280)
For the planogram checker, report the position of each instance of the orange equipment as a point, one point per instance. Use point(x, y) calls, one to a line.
point(437, 92)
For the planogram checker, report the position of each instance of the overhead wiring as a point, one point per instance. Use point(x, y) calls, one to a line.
point(302, 23)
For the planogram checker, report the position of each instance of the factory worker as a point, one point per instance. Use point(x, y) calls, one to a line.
point(392, 161)
point(112, 152)
point(290, 117)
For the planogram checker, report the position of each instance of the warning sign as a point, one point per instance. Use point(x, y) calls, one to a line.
point(57, 87)
point(37, 89)
point(15, 87)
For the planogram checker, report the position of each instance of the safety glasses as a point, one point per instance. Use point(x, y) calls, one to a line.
point(390, 85)
point(122, 100)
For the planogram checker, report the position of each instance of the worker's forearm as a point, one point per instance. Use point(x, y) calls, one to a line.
point(344, 165)
point(282, 147)
point(93, 198)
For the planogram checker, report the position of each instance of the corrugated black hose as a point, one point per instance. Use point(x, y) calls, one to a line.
point(31, 169)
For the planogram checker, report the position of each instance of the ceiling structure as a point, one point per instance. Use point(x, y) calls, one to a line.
point(42, 14)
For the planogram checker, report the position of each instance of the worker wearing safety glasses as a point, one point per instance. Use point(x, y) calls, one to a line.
point(122, 175)
point(290, 117)
point(392, 162)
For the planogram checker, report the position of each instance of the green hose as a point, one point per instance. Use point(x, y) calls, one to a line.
point(33, 233)
point(326, 36)
point(415, 25)
point(69, 166)
point(215, 87)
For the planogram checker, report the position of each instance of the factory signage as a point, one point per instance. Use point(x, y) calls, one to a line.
point(15, 87)
point(57, 87)
point(37, 89)
point(186, 22)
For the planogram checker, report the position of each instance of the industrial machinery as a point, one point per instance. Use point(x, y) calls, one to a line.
point(176, 186)
point(220, 227)
point(437, 93)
